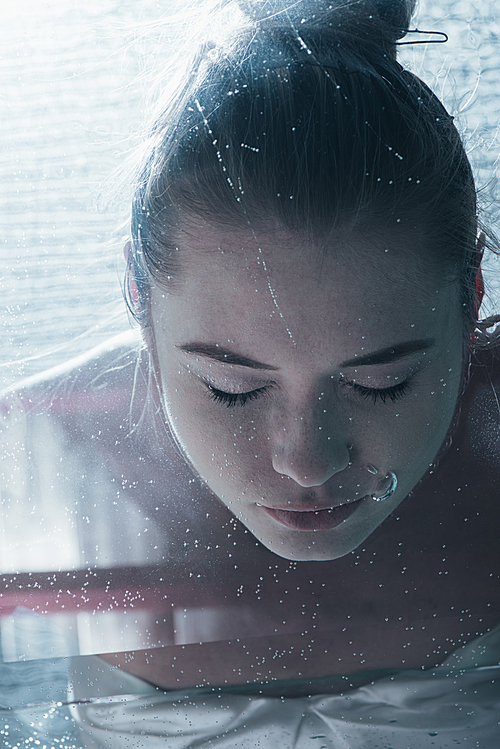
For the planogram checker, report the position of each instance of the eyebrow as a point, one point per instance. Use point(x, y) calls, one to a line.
point(391, 353)
point(224, 355)
point(382, 356)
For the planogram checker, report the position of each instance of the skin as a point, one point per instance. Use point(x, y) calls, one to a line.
point(308, 438)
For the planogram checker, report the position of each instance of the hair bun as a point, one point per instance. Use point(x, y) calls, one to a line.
point(395, 13)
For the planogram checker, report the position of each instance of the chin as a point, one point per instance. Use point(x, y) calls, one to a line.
point(305, 546)
point(307, 555)
point(322, 546)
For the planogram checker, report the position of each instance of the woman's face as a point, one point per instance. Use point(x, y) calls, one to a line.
point(295, 378)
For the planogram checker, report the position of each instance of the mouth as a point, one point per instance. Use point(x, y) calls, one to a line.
point(314, 520)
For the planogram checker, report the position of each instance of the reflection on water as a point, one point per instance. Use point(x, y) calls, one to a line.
point(59, 702)
point(44, 726)
point(33, 693)
point(440, 707)
point(421, 710)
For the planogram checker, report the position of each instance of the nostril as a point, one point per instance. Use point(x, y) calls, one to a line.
point(308, 450)
point(311, 469)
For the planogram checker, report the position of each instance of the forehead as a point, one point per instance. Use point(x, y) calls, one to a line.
point(268, 282)
point(399, 249)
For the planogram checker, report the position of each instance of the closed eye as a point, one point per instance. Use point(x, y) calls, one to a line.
point(393, 393)
point(235, 399)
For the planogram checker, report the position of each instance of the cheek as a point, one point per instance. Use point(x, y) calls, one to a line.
point(417, 427)
point(224, 445)
point(193, 428)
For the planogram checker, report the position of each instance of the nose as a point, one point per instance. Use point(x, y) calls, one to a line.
point(310, 450)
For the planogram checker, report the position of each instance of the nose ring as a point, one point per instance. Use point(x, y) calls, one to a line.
point(390, 491)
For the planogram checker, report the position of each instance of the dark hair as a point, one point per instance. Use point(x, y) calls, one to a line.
point(309, 120)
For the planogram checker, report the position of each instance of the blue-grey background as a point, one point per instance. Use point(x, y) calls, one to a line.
point(73, 77)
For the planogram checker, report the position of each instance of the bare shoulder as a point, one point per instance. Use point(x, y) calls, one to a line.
point(89, 404)
point(83, 391)
point(103, 365)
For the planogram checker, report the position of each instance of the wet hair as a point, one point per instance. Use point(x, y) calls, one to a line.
point(303, 115)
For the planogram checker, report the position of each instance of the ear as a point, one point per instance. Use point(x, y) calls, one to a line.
point(130, 278)
point(127, 249)
point(480, 245)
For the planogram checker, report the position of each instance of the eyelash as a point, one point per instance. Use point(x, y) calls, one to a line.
point(230, 400)
point(394, 393)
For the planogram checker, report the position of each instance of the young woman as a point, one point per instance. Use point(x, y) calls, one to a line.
point(305, 263)
point(305, 267)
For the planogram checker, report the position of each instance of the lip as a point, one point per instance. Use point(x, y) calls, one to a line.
point(314, 520)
